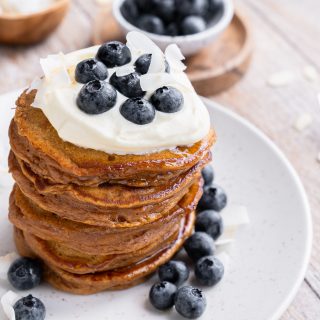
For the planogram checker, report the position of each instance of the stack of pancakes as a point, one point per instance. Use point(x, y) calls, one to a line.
point(98, 221)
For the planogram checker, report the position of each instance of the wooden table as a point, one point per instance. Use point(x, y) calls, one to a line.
point(286, 35)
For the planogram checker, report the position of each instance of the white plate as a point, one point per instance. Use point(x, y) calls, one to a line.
point(270, 256)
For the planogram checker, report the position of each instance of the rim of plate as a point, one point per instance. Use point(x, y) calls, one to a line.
point(304, 198)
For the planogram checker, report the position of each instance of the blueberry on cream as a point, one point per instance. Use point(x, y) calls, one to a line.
point(143, 63)
point(90, 69)
point(128, 85)
point(167, 99)
point(138, 111)
point(96, 97)
point(113, 54)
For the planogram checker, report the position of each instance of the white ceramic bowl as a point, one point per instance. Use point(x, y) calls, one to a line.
point(189, 44)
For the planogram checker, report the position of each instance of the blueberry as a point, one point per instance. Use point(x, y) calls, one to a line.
point(172, 30)
point(151, 23)
point(213, 198)
point(130, 10)
point(25, 273)
point(192, 25)
point(199, 245)
point(207, 175)
point(167, 99)
point(143, 63)
point(192, 7)
point(128, 85)
point(175, 272)
point(164, 9)
point(91, 69)
point(113, 54)
point(29, 308)
point(162, 295)
point(215, 11)
point(96, 97)
point(209, 270)
point(144, 5)
point(138, 111)
point(215, 5)
point(210, 222)
point(190, 302)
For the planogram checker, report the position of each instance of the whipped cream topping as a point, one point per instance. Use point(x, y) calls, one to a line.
point(110, 131)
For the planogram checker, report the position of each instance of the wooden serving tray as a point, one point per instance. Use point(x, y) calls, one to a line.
point(215, 68)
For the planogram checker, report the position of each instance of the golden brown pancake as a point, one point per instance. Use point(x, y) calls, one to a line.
point(34, 140)
point(98, 205)
point(109, 280)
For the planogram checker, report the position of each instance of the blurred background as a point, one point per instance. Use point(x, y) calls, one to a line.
point(264, 66)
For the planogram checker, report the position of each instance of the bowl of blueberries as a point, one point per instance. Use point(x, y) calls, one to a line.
point(191, 24)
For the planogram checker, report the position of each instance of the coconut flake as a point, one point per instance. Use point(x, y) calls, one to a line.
point(174, 56)
point(35, 84)
point(7, 301)
point(125, 70)
point(281, 79)
point(234, 217)
point(303, 122)
point(55, 70)
point(5, 263)
point(310, 73)
point(141, 44)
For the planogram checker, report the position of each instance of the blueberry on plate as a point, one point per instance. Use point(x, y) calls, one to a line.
point(138, 111)
point(164, 9)
point(151, 23)
point(210, 222)
point(162, 295)
point(175, 272)
point(192, 7)
point(90, 69)
point(192, 25)
point(199, 245)
point(96, 97)
point(29, 308)
point(209, 270)
point(143, 63)
point(213, 198)
point(130, 10)
point(25, 273)
point(207, 175)
point(128, 85)
point(114, 54)
point(190, 302)
point(167, 99)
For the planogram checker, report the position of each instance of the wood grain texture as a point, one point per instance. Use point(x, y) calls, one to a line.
point(286, 38)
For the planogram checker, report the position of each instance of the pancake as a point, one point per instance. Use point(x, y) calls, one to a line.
point(109, 280)
point(109, 205)
point(35, 141)
point(27, 216)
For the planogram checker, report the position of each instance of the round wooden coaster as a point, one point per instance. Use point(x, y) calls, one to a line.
point(215, 68)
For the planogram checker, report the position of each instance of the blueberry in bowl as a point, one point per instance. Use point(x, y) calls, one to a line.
point(191, 24)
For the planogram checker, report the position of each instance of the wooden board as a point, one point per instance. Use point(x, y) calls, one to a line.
point(215, 68)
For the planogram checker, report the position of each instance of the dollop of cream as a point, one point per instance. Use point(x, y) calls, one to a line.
point(111, 132)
